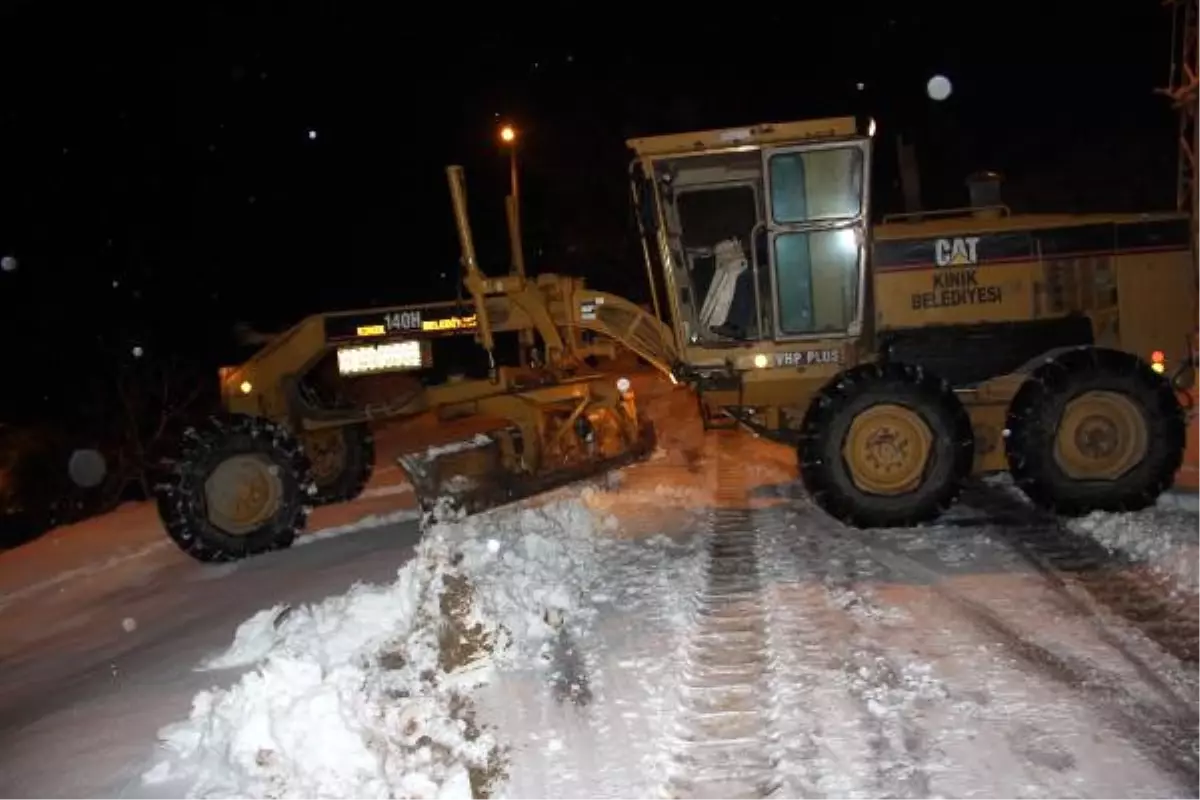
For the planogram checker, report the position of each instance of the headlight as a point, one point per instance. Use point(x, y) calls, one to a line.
point(623, 385)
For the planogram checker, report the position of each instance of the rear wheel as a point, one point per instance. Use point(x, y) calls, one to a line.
point(885, 445)
point(238, 487)
point(343, 459)
point(1094, 429)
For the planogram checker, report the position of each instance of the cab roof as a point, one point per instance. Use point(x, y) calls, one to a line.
point(751, 135)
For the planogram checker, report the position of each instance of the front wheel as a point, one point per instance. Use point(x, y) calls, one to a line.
point(885, 445)
point(1094, 429)
point(238, 486)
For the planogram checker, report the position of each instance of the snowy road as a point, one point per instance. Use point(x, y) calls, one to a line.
point(815, 661)
point(691, 628)
point(91, 668)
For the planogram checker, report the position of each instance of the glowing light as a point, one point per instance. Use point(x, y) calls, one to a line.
point(1159, 367)
point(623, 385)
point(312, 135)
point(847, 239)
point(246, 387)
point(939, 88)
point(450, 323)
point(1158, 356)
point(508, 134)
point(760, 361)
point(379, 358)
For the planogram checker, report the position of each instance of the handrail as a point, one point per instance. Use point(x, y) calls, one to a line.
point(1004, 210)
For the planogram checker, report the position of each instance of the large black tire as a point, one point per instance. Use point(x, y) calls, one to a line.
point(183, 501)
point(355, 464)
point(1037, 411)
point(827, 424)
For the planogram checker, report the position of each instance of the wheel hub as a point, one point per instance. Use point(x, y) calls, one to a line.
point(1101, 436)
point(1097, 437)
point(886, 449)
point(326, 449)
point(242, 493)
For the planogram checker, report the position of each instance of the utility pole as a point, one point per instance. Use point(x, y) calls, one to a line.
point(1181, 88)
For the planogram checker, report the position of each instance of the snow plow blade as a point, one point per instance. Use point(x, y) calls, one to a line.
point(469, 477)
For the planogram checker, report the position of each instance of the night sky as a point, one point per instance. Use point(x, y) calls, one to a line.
point(168, 170)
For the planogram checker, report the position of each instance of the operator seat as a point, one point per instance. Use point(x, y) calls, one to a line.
point(731, 264)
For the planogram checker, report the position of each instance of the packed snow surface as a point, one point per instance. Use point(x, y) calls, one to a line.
point(1164, 537)
point(540, 651)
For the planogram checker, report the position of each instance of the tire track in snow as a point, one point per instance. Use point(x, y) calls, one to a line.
point(782, 691)
point(1166, 736)
point(1115, 580)
point(906, 719)
point(722, 744)
point(869, 743)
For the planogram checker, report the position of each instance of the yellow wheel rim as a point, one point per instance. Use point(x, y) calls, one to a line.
point(242, 493)
point(326, 449)
point(1102, 435)
point(886, 449)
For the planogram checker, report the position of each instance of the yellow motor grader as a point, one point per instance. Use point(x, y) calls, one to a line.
point(898, 361)
point(903, 358)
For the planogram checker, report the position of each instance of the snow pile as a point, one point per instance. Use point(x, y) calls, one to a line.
point(1165, 539)
point(535, 576)
point(369, 694)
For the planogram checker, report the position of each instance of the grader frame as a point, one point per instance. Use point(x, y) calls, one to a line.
point(558, 308)
point(545, 422)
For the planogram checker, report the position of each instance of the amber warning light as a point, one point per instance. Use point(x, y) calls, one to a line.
point(1158, 361)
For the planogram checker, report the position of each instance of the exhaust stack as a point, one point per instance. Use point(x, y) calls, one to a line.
point(984, 190)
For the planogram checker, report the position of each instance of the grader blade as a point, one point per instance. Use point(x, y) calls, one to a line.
point(470, 477)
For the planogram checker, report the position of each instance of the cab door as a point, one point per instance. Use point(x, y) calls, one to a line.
point(817, 212)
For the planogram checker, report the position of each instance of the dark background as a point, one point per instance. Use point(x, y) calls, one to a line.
point(158, 183)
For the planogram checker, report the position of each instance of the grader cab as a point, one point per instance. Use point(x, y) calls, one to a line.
point(290, 437)
point(903, 358)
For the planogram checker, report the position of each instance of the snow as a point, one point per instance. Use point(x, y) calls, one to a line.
point(1165, 537)
point(315, 717)
point(362, 695)
point(550, 649)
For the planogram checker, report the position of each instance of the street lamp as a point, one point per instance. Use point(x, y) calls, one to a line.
point(512, 204)
point(512, 212)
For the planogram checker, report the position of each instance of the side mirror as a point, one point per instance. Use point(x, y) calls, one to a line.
point(87, 468)
point(1185, 377)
